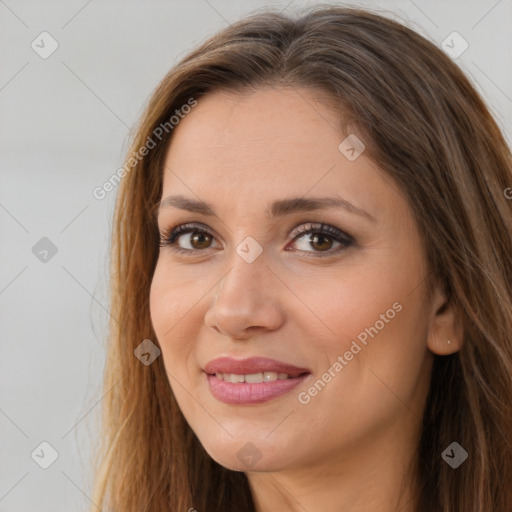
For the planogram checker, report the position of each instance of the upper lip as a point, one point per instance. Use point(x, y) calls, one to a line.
point(252, 365)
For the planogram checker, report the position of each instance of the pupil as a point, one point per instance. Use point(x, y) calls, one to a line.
point(200, 237)
point(317, 237)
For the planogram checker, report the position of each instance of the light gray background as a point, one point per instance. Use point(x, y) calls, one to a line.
point(64, 123)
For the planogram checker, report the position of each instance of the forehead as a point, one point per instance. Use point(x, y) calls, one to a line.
point(270, 143)
point(263, 120)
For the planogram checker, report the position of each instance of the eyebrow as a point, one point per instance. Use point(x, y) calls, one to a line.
point(278, 208)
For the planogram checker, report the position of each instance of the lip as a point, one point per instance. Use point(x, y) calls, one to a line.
point(252, 365)
point(244, 393)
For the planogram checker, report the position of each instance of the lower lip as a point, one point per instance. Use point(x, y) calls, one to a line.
point(242, 393)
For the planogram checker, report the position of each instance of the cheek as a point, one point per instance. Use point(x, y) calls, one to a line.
point(339, 306)
point(374, 320)
point(172, 312)
point(161, 303)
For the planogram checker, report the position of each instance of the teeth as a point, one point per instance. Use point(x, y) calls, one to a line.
point(270, 376)
point(252, 378)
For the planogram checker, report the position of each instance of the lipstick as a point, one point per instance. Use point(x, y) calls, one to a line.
point(251, 381)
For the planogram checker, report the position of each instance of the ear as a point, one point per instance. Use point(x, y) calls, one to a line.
point(446, 333)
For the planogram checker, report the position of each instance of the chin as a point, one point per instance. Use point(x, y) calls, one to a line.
point(239, 453)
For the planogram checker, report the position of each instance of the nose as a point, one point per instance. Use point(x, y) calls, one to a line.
point(247, 300)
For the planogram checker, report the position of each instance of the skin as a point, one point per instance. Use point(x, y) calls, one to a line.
point(348, 448)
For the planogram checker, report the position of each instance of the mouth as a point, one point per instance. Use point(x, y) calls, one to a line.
point(253, 380)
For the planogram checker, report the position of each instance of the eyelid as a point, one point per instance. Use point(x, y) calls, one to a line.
point(187, 227)
point(322, 227)
point(344, 239)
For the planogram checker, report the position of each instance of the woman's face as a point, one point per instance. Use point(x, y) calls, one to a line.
point(343, 312)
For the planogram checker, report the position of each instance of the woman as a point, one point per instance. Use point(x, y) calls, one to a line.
point(311, 280)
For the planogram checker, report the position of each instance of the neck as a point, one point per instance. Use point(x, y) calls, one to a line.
point(379, 477)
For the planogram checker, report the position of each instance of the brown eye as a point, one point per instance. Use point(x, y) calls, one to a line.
point(200, 240)
point(187, 238)
point(321, 238)
point(322, 242)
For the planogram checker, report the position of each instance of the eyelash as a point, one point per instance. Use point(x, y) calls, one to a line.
point(169, 236)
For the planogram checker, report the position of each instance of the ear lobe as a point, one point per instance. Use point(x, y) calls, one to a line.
point(446, 333)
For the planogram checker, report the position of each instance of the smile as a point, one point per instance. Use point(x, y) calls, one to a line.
point(252, 378)
point(244, 393)
point(251, 381)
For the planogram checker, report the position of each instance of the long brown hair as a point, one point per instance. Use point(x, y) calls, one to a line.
point(427, 127)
